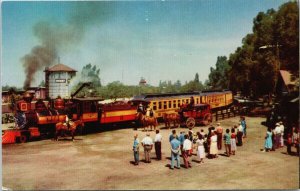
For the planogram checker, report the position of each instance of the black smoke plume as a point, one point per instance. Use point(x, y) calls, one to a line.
point(54, 37)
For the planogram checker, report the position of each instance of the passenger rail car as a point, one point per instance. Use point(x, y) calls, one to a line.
point(171, 102)
point(89, 110)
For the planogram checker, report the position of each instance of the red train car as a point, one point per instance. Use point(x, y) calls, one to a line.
point(89, 110)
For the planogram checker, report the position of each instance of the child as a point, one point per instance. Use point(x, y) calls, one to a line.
point(227, 141)
point(233, 141)
point(135, 149)
point(200, 148)
point(205, 143)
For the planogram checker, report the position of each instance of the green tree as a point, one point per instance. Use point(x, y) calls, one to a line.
point(91, 73)
point(218, 77)
point(286, 34)
point(273, 45)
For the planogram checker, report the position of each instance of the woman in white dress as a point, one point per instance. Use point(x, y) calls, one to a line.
point(213, 145)
point(200, 148)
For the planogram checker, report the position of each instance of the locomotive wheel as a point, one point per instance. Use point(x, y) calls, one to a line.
point(207, 119)
point(190, 122)
point(23, 139)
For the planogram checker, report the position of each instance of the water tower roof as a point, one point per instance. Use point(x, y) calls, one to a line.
point(60, 68)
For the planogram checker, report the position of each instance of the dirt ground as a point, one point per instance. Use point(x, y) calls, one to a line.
point(104, 161)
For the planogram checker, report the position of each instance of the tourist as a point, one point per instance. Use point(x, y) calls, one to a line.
point(202, 132)
point(233, 141)
point(191, 138)
point(209, 139)
point(205, 143)
point(219, 135)
point(135, 149)
point(181, 139)
point(173, 135)
point(240, 135)
point(147, 144)
point(175, 148)
point(273, 141)
point(282, 133)
point(213, 145)
point(277, 133)
point(227, 142)
point(244, 125)
point(157, 144)
point(295, 139)
point(187, 146)
point(289, 143)
point(268, 140)
point(200, 148)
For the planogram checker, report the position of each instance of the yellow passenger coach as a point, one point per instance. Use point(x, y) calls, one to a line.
point(171, 102)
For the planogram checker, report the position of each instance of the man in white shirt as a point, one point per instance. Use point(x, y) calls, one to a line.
point(157, 144)
point(187, 146)
point(147, 144)
point(240, 127)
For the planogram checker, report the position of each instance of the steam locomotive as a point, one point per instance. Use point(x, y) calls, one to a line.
point(42, 116)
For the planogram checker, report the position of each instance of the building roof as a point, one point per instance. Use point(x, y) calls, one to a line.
point(286, 76)
point(60, 68)
point(288, 79)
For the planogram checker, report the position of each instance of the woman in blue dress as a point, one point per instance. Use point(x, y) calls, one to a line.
point(268, 142)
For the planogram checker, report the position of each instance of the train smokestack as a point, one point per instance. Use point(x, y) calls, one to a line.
point(27, 96)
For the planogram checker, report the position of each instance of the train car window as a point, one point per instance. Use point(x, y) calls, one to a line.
point(170, 104)
point(197, 100)
point(154, 106)
point(159, 105)
point(93, 107)
point(179, 103)
point(174, 103)
point(165, 105)
point(86, 107)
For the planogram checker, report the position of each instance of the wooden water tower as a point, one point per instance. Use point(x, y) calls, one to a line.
point(57, 81)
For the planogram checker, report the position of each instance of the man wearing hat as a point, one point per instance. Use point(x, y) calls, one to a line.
point(219, 135)
point(147, 144)
point(140, 108)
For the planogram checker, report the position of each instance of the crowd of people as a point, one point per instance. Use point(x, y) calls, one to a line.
point(203, 145)
point(274, 138)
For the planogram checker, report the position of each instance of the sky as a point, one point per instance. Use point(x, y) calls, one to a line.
point(127, 40)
